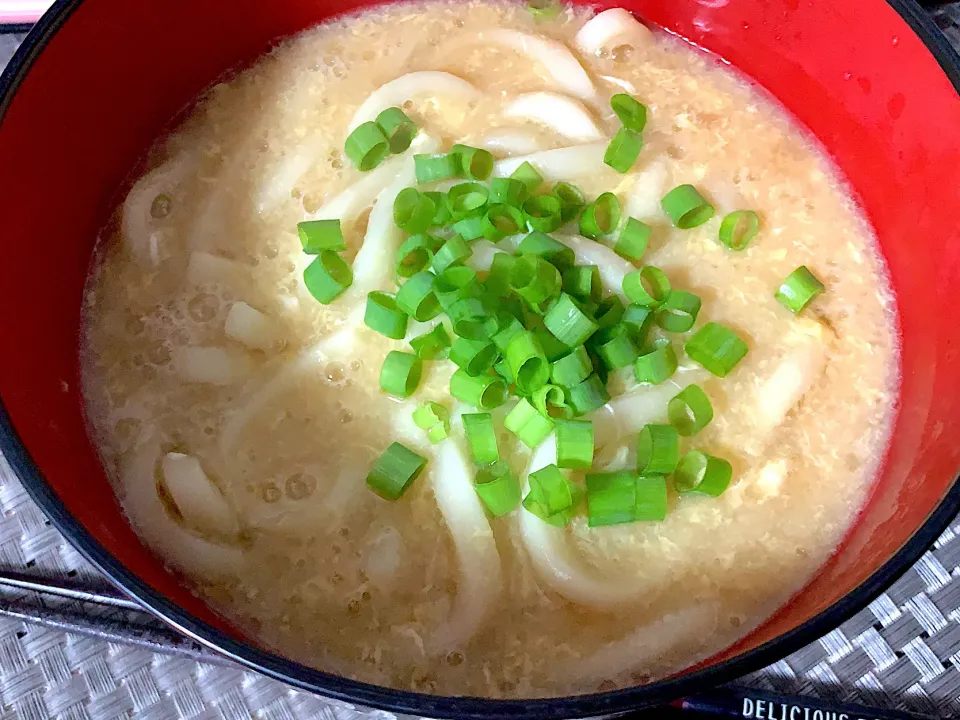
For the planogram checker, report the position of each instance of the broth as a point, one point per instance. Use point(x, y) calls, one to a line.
point(205, 359)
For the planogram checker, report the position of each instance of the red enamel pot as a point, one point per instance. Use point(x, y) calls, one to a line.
point(96, 82)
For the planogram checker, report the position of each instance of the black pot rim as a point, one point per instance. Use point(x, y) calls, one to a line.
point(375, 696)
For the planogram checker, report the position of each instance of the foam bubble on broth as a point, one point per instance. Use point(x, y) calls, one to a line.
point(334, 577)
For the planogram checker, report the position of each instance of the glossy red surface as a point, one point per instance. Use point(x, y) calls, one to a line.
point(117, 71)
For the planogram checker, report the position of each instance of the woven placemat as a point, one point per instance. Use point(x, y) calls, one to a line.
point(71, 660)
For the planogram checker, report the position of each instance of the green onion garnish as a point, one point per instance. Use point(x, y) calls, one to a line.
point(400, 373)
point(453, 252)
point(413, 211)
point(528, 424)
point(632, 241)
point(317, 235)
point(481, 437)
point(503, 370)
point(690, 410)
point(394, 470)
point(470, 319)
point(588, 395)
point(632, 113)
point(498, 488)
point(583, 283)
point(484, 392)
point(623, 150)
point(535, 280)
point(470, 227)
point(798, 289)
point(383, 315)
point(572, 198)
point(367, 146)
point(397, 128)
point(497, 282)
point(551, 250)
point(658, 449)
point(651, 498)
point(619, 351)
point(542, 10)
point(609, 312)
point(509, 328)
point(466, 199)
point(686, 207)
point(501, 220)
point(571, 369)
point(702, 473)
point(567, 322)
point(717, 348)
point(455, 283)
point(656, 363)
point(611, 498)
point(433, 345)
point(415, 254)
point(508, 191)
point(477, 164)
point(600, 217)
point(431, 168)
point(327, 276)
point(416, 297)
point(679, 311)
point(647, 287)
point(553, 349)
point(738, 228)
point(550, 401)
point(543, 213)
point(528, 175)
point(637, 320)
point(474, 356)
point(441, 217)
point(552, 493)
point(527, 362)
point(574, 444)
point(435, 419)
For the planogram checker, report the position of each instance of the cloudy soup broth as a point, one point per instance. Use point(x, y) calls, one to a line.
point(233, 380)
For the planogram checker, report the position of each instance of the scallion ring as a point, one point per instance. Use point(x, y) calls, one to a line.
point(397, 128)
point(319, 235)
point(798, 289)
point(588, 395)
point(527, 423)
point(679, 311)
point(394, 471)
point(498, 488)
point(551, 250)
point(383, 316)
point(632, 242)
point(327, 276)
point(574, 444)
point(477, 164)
point(702, 473)
point(485, 392)
point(600, 217)
point(527, 362)
point(416, 297)
point(656, 363)
point(413, 211)
point(717, 348)
point(686, 207)
point(431, 168)
point(543, 213)
point(658, 449)
point(432, 345)
point(466, 199)
point(414, 255)
point(623, 150)
point(367, 146)
point(738, 228)
point(690, 410)
point(481, 437)
point(501, 220)
point(631, 112)
point(470, 319)
point(647, 287)
point(474, 356)
point(400, 374)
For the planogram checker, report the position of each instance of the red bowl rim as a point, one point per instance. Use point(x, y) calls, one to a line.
point(375, 696)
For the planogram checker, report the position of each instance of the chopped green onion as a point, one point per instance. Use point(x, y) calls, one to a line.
point(416, 297)
point(656, 363)
point(481, 437)
point(542, 10)
point(651, 498)
point(543, 213)
point(619, 351)
point(600, 217)
point(508, 191)
point(553, 349)
point(394, 470)
point(433, 345)
point(442, 216)
point(588, 395)
point(527, 362)
point(400, 373)
point(572, 199)
point(632, 114)
point(798, 289)
point(623, 150)
point(383, 316)
point(501, 220)
point(327, 276)
point(611, 498)
point(453, 252)
point(510, 327)
point(474, 356)
point(502, 369)
point(470, 227)
point(431, 168)
point(637, 320)
point(317, 235)
point(477, 163)
point(470, 319)
point(690, 410)
point(571, 369)
point(367, 146)
point(632, 241)
point(397, 128)
point(647, 287)
point(413, 211)
point(535, 280)
point(550, 401)
point(717, 348)
point(498, 279)
point(455, 283)
point(686, 207)
point(552, 491)
point(528, 175)
point(528, 424)
point(485, 392)
point(498, 488)
point(551, 250)
point(466, 199)
point(435, 419)
point(679, 311)
point(414, 255)
point(738, 228)
point(658, 449)
point(575, 444)
point(583, 282)
point(567, 322)
point(609, 311)
point(702, 473)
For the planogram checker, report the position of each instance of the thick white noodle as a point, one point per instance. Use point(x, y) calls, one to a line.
point(558, 563)
point(432, 83)
point(554, 57)
point(562, 164)
point(177, 546)
point(562, 114)
point(201, 503)
point(482, 257)
point(508, 141)
point(138, 225)
point(649, 185)
point(624, 85)
point(212, 364)
point(277, 187)
point(611, 28)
